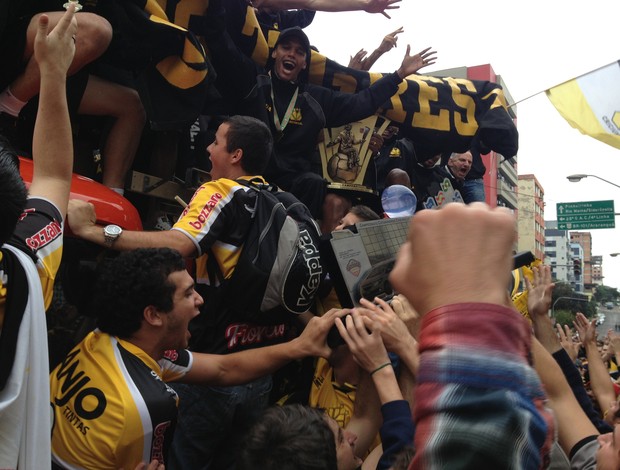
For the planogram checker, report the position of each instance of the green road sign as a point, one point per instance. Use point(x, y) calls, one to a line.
point(585, 215)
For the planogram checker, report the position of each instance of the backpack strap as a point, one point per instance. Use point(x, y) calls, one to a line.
point(257, 184)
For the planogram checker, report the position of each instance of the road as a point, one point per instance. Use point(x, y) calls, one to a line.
point(612, 318)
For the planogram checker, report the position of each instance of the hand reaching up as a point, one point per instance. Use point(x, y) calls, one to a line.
point(54, 50)
point(412, 63)
point(568, 343)
point(539, 291)
point(585, 328)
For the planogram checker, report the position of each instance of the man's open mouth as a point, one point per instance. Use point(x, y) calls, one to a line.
point(288, 65)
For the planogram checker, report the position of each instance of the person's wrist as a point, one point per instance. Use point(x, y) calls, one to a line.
point(404, 347)
point(383, 369)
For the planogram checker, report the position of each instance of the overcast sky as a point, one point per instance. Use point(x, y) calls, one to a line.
point(533, 45)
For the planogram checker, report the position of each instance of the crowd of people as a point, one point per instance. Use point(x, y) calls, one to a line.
point(446, 374)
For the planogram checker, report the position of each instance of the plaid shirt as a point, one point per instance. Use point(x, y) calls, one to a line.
point(479, 403)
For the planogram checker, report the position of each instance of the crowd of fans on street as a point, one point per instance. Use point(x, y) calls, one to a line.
point(445, 374)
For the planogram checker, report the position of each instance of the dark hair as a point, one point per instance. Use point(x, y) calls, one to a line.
point(403, 458)
point(254, 138)
point(131, 282)
point(13, 191)
point(289, 437)
point(364, 212)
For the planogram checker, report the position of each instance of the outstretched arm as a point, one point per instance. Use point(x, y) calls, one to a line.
point(244, 366)
point(361, 62)
point(82, 220)
point(52, 144)
point(600, 381)
point(572, 423)
point(538, 303)
point(370, 6)
point(467, 317)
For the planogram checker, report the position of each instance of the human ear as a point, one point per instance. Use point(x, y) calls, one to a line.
point(152, 316)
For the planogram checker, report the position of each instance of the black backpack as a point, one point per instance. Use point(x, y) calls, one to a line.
point(279, 269)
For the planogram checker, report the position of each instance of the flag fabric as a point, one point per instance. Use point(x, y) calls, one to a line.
point(591, 103)
point(438, 114)
point(173, 74)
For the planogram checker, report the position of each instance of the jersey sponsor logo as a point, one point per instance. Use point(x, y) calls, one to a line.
point(75, 421)
point(242, 334)
point(88, 402)
point(44, 236)
point(171, 354)
point(159, 435)
point(25, 213)
point(200, 221)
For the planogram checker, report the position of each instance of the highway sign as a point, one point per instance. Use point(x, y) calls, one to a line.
point(585, 215)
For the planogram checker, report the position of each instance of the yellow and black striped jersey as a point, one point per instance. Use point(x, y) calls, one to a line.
point(38, 234)
point(111, 405)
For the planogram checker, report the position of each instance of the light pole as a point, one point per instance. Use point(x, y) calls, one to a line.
point(563, 297)
point(579, 177)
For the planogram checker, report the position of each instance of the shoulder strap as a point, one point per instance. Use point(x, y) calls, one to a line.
point(258, 184)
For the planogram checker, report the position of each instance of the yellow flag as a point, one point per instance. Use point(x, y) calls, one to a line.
point(591, 103)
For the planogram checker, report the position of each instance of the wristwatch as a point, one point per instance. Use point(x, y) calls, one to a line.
point(111, 233)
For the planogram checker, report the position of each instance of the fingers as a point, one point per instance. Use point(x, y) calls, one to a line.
point(154, 465)
point(560, 332)
point(43, 25)
point(567, 332)
point(67, 23)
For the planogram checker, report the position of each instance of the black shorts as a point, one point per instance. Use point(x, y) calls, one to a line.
point(12, 44)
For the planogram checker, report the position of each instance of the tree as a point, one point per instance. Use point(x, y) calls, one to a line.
point(564, 317)
point(565, 298)
point(604, 294)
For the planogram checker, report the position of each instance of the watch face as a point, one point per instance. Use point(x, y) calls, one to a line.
point(113, 230)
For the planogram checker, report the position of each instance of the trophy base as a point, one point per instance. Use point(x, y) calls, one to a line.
point(352, 187)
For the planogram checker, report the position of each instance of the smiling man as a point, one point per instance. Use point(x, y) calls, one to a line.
point(295, 110)
point(111, 405)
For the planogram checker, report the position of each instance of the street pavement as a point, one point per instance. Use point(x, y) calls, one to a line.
point(612, 318)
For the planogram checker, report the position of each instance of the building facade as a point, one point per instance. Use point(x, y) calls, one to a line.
point(558, 253)
point(597, 270)
point(585, 240)
point(531, 216)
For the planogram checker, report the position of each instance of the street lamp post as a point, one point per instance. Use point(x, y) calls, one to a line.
point(563, 297)
point(579, 177)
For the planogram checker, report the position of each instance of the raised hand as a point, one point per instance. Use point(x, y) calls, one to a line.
point(412, 63)
point(356, 62)
point(585, 328)
point(379, 6)
point(54, 50)
point(539, 292)
point(390, 40)
point(488, 233)
point(568, 343)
